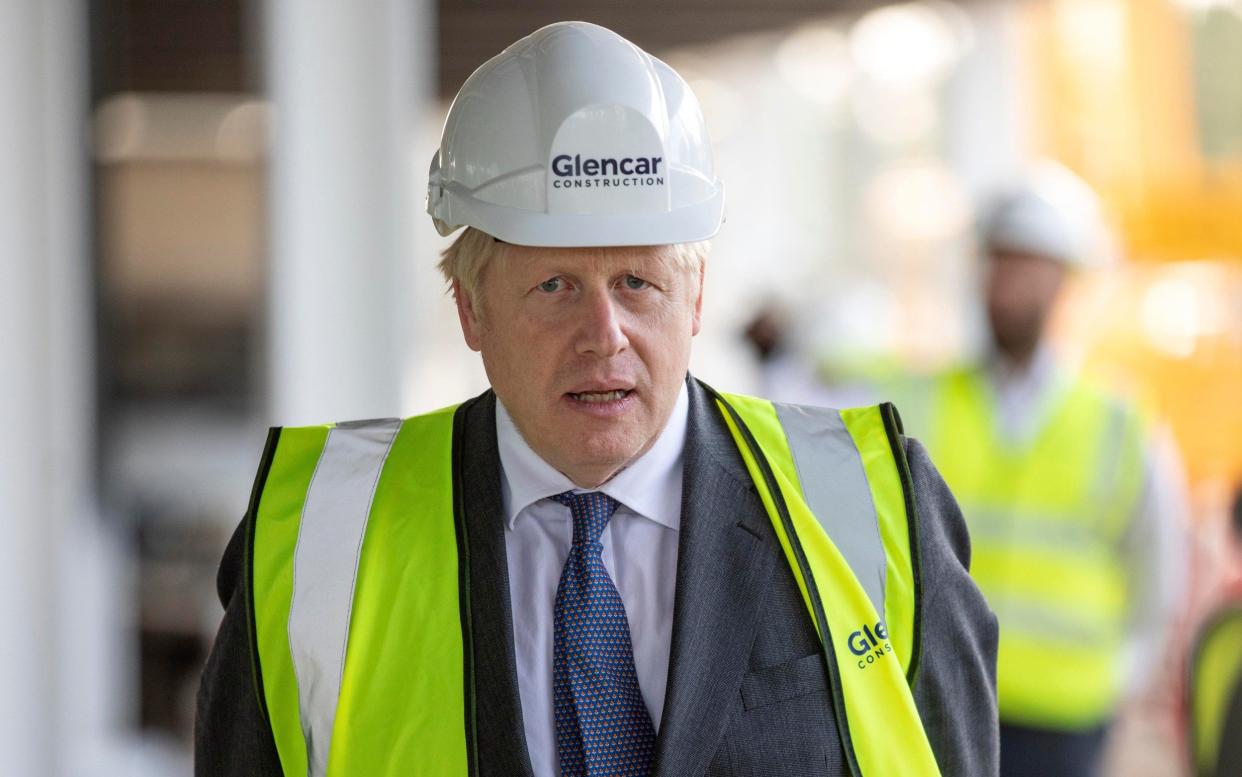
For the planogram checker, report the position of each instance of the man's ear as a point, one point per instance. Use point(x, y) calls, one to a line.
point(468, 314)
point(698, 302)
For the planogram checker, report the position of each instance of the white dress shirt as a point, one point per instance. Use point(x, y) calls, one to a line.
point(640, 554)
point(1024, 394)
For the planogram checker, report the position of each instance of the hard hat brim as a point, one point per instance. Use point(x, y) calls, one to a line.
point(686, 224)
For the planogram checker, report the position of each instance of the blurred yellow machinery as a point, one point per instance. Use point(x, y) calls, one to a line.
point(1120, 98)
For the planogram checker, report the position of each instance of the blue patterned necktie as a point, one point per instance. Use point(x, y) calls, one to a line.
point(602, 725)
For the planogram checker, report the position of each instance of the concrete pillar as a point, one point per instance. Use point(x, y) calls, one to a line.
point(49, 703)
point(346, 81)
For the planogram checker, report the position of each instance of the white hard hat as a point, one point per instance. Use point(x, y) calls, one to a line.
point(573, 136)
point(1053, 213)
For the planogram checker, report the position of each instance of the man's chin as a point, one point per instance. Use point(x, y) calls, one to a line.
point(596, 458)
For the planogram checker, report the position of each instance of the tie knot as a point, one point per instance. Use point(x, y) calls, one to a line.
point(590, 511)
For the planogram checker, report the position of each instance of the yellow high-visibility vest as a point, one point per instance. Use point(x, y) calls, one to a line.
point(1215, 676)
point(361, 623)
point(1047, 517)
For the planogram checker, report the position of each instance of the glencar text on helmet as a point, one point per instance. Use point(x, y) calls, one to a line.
point(579, 173)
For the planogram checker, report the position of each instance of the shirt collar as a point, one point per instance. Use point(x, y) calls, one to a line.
point(650, 486)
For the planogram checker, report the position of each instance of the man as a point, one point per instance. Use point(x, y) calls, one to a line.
point(1072, 509)
point(600, 566)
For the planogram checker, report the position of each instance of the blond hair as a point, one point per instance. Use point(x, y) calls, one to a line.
point(467, 257)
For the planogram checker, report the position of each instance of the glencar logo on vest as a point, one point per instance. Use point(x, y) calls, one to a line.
point(870, 644)
point(574, 172)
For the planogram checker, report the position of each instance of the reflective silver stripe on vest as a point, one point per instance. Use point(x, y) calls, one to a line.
point(1039, 621)
point(1111, 453)
point(334, 521)
point(1064, 533)
point(834, 483)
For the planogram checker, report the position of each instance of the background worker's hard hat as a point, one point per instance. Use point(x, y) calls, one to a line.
point(573, 136)
point(1051, 213)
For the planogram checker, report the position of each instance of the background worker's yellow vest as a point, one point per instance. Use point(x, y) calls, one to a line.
point(361, 593)
point(1215, 676)
point(1046, 517)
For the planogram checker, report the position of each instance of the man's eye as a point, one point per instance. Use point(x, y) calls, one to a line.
point(634, 282)
point(551, 285)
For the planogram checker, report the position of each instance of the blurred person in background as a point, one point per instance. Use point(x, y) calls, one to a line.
point(783, 368)
point(1074, 504)
point(1214, 679)
point(601, 565)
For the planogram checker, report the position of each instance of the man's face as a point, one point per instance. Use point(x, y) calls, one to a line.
point(1021, 289)
point(586, 347)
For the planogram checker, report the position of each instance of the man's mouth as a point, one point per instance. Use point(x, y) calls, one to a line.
point(600, 397)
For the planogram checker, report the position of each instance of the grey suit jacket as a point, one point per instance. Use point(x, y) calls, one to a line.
point(747, 690)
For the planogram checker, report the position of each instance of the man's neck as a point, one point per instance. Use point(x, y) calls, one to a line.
point(1017, 359)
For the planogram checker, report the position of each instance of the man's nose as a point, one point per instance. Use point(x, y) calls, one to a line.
point(600, 330)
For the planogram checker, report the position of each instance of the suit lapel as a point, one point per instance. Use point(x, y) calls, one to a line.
point(725, 556)
point(498, 730)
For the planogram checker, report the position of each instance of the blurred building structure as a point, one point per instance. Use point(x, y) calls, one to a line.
point(247, 248)
point(60, 620)
point(254, 229)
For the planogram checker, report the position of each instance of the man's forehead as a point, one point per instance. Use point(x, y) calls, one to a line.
point(590, 258)
point(1001, 254)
